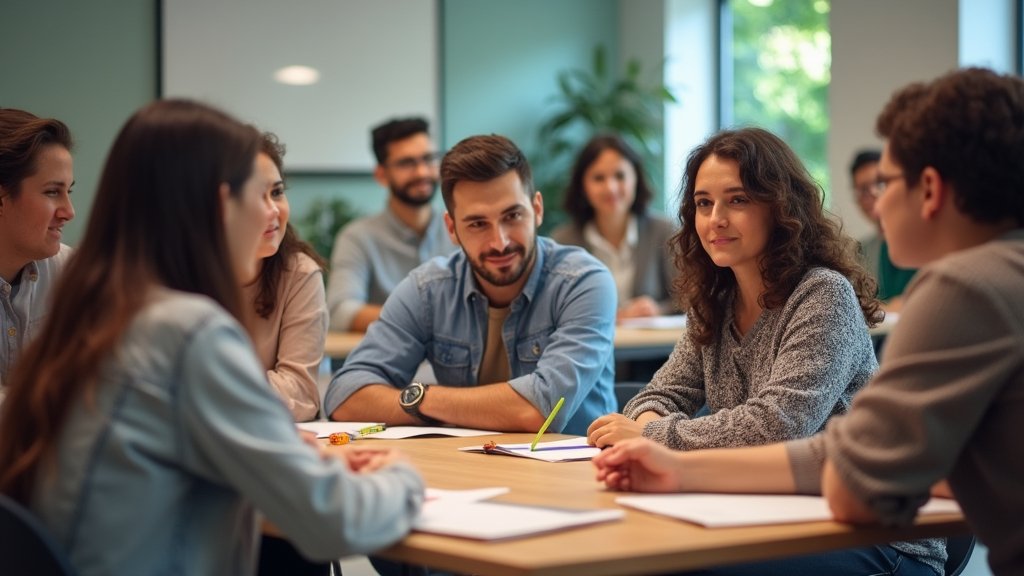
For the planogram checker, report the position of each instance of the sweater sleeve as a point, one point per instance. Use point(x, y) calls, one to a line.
point(954, 349)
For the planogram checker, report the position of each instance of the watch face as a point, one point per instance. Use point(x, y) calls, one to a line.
point(410, 394)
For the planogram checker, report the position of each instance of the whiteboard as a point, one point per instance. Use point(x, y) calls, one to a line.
point(377, 59)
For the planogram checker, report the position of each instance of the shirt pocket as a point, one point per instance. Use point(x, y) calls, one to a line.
point(532, 347)
point(451, 355)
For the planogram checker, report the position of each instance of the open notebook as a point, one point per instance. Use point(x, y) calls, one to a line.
point(568, 450)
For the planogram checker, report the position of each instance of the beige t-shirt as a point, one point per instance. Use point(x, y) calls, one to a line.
point(494, 366)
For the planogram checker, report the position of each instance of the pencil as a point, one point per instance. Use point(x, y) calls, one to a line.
point(544, 427)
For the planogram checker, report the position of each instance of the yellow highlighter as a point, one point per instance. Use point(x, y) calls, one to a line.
point(544, 427)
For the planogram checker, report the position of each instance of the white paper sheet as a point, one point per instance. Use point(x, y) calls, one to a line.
point(568, 450)
point(499, 520)
point(398, 432)
point(671, 322)
point(728, 510)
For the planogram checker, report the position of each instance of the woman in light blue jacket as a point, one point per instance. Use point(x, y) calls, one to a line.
point(139, 426)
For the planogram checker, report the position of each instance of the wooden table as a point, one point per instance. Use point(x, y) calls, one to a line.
point(641, 543)
point(630, 343)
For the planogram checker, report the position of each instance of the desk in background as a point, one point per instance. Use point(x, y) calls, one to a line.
point(630, 343)
point(641, 543)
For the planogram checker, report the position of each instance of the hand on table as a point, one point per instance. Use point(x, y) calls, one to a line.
point(612, 428)
point(639, 465)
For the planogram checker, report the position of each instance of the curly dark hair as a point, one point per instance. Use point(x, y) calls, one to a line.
point(291, 244)
point(969, 126)
point(576, 203)
point(804, 235)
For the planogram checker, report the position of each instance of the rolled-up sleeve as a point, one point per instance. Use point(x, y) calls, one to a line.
point(239, 434)
point(579, 349)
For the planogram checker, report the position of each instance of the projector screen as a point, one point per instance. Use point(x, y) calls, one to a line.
point(376, 59)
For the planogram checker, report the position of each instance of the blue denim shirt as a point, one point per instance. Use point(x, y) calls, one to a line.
point(558, 334)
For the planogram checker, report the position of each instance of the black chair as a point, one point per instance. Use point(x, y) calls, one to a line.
point(26, 547)
point(626, 390)
point(958, 553)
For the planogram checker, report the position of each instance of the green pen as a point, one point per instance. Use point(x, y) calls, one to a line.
point(372, 429)
point(544, 427)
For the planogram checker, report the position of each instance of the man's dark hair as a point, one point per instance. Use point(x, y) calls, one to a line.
point(481, 159)
point(394, 130)
point(864, 157)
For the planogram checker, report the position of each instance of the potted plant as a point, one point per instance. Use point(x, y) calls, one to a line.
point(320, 225)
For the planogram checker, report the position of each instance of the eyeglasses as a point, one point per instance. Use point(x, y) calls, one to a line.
point(410, 163)
point(882, 183)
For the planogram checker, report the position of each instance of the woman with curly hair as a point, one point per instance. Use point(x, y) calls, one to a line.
point(778, 307)
point(778, 310)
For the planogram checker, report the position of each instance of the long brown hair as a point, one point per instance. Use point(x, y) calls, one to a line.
point(291, 244)
point(803, 236)
point(157, 220)
point(576, 204)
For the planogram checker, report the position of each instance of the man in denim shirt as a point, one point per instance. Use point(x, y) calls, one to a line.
point(510, 324)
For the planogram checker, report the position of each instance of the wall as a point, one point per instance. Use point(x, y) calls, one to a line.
point(877, 47)
point(90, 64)
point(93, 63)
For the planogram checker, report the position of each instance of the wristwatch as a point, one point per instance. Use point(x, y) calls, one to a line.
point(410, 399)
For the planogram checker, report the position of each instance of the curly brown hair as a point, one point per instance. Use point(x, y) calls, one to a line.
point(803, 237)
point(969, 126)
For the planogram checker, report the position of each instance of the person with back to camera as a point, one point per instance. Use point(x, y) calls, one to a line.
point(777, 337)
point(947, 401)
point(36, 176)
point(607, 197)
point(874, 250)
point(148, 445)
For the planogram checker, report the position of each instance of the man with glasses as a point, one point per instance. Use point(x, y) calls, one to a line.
point(372, 254)
point(873, 248)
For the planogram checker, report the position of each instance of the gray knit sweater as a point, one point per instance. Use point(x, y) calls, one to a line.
point(797, 366)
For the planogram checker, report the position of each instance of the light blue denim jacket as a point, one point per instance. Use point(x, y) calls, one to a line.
point(163, 469)
point(558, 335)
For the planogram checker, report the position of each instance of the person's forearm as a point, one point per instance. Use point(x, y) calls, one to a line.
point(758, 469)
point(366, 315)
point(488, 407)
point(374, 403)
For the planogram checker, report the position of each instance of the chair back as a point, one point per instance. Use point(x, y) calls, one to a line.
point(624, 391)
point(26, 548)
point(958, 553)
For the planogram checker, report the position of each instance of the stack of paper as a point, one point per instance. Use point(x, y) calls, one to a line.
point(568, 450)
point(464, 514)
point(727, 510)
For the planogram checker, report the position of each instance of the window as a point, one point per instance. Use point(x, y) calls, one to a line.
point(776, 61)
